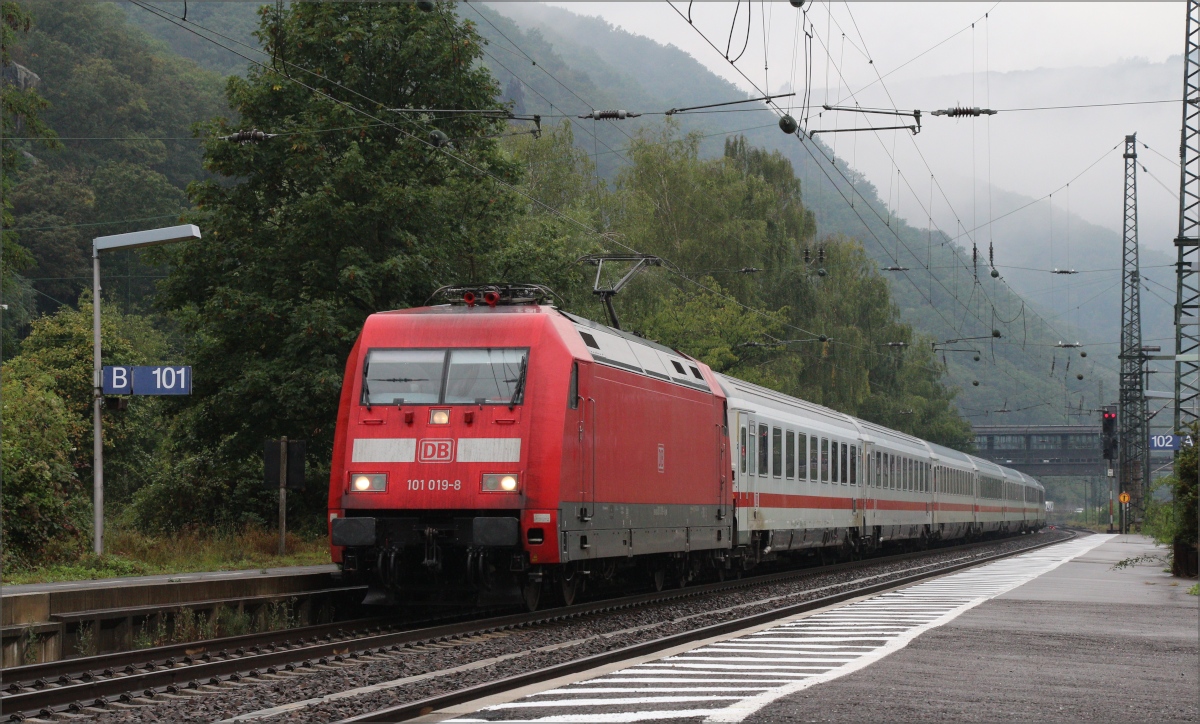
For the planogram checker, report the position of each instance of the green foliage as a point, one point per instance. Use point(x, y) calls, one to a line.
point(46, 518)
point(58, 350)
point(107, 79)
point(1171, 520)
point(311, 232)
point(236, 20)
point(112, 94)
point(1185, 491)
point(711, 326)
point(743, 297)
point(21, 109)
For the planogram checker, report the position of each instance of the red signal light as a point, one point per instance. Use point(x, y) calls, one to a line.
point(469, 298)
point(491, 298)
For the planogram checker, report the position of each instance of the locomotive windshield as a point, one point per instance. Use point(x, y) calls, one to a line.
point(444, 376)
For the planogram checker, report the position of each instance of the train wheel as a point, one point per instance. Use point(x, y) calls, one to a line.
point(531, 593)
point(659, 578)
point(572, 584)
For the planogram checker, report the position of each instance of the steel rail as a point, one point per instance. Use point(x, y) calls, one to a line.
point(190, 671)
point(411, 710)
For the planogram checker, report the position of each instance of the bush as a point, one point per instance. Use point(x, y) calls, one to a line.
point(46, 513)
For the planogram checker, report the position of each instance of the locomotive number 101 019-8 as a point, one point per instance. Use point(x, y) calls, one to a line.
point(415, 484)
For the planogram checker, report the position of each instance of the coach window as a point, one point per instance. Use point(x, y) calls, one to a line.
point(878, 469)
point(845, 451)
point(763, 450)
point(824, 460)
point(893, 472)
point(791, 455)
point(833, 461)
point(776, 452)
point(814, 459)
point(802, 444)
point(854, 465)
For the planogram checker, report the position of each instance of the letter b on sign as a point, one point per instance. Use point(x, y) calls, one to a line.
point(435, 451)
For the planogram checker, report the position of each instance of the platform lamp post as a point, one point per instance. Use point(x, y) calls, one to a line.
point(133, 240)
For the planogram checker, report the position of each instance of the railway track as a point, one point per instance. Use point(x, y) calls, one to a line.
point(95, 684)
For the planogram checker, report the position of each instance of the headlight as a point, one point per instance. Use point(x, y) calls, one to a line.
point(368, 483)
point(500, 482)
point(439, 417)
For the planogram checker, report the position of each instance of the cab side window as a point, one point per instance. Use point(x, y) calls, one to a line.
point(573, 388)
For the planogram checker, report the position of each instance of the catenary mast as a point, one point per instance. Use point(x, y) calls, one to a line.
point(1131, 418)
point(1187, 290)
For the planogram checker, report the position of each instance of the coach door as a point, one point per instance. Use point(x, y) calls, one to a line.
point(865, 470)
point(722, 439)
point(585, 420)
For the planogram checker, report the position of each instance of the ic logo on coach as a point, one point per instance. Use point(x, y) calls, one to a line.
point(435, 451)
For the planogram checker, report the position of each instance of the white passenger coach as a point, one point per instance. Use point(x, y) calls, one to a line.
point(806, 476)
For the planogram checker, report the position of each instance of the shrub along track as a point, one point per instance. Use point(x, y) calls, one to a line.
point(348, 672)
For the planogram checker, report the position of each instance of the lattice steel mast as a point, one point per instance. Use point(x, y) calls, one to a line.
point(1132, 438)
point(1187, 292)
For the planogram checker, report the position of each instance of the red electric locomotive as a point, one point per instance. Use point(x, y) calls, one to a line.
point(487, 450)
point(496, 448)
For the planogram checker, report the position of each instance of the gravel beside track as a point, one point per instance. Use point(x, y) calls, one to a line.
point(422, 671)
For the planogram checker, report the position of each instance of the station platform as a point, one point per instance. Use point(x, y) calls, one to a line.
point(93, 583)
point(42, 622)
point(1083, 642)
point(1056, 634)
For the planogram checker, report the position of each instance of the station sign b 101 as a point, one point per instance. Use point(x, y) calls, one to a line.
point(147, 380)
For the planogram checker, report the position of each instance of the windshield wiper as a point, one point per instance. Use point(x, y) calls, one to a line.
point(520, 388)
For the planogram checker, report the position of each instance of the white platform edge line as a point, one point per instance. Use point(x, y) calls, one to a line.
point(746, 707)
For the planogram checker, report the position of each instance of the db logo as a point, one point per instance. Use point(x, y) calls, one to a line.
point(435, 451)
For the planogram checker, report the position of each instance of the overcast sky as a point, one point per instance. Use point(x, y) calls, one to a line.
point(930, 57)
point(1023, 35)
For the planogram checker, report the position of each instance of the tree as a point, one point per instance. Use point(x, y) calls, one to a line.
point(46, 516)
point(338, 217)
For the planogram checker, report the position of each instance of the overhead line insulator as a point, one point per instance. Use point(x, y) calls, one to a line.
point(618, 115)
point(963, 111)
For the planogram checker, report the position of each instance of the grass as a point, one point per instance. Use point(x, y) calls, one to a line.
point(130, 553)
point(1194, 590)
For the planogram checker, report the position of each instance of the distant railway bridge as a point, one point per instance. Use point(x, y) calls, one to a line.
point(1043, 450)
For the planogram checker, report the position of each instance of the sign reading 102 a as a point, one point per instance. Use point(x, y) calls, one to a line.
point(1170, 442)
point(147, 380)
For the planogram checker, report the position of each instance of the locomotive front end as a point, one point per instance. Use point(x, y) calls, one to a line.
point(436, 491)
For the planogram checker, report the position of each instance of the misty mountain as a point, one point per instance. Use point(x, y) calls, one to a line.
point(558, 64)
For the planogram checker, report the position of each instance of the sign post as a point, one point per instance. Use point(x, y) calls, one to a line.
point(283, 461)
point(132, 240)
point(283, 467)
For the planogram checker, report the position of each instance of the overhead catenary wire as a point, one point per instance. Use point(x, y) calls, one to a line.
point(608, 237)
point(857, 193)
